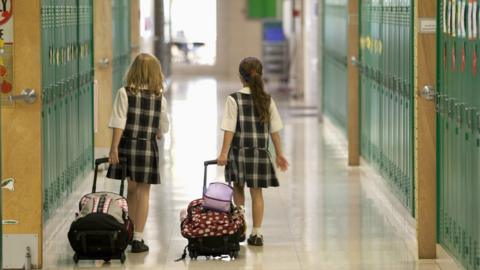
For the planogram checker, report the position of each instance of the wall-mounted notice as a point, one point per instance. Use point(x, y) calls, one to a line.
point(428, 25)
point(6, 46)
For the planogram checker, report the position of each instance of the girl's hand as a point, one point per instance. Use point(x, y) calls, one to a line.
point(222, 160)
point(159, 136)
point(282, 163)
point(113, 158)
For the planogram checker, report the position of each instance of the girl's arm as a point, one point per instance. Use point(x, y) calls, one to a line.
point(227, 140)
point(117, 134)
point(164, 121)
point(281, 161)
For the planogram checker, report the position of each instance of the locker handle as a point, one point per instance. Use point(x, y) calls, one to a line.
point(469, 115)
point(438, 100)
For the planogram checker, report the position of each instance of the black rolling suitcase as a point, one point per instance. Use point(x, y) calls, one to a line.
point(102, 228)
point(210, 232)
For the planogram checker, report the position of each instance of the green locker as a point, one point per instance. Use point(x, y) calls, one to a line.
point(262, 9)
point(67, 91)
point(386, 114)
point(458, 130)
point(121, 41)
point(335, 50)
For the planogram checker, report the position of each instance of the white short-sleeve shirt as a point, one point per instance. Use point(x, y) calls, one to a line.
point(118, 119)
point(229, 121)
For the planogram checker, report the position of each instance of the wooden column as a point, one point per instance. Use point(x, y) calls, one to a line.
point(426, 133)
point(102, 24)
point(21, 130)
point(353, 86)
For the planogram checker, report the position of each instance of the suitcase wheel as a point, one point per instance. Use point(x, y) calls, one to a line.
point(193, 255)
point(123, 258)
point(75, 258)
point(233, 254)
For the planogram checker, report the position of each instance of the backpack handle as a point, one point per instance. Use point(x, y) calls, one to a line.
point(206, 163)
point(123, 164)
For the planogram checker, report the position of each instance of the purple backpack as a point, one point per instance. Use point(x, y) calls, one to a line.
point(218, 196)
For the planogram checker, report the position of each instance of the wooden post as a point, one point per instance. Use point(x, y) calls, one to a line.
point(353, 86)
point(135, 26)
point(21, 130)
point(102, 24)
point(425, 59)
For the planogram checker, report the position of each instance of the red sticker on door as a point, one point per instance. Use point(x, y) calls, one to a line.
point(463, 59)
point(474, 61)
point(445, 57)
point(453, 58)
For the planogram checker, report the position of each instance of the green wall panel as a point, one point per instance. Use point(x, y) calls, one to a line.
point(67, 97)
point(458, 131)
point(386, 99)
point(335, 50)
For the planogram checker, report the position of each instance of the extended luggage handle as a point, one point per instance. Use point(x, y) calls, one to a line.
point(206, 163)
point(123, 164)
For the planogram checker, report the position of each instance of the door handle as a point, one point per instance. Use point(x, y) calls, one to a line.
point(428, 92)
point(27, 95)
point(104, 62)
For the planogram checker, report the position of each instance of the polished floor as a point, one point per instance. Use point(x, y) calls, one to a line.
point(324, 216)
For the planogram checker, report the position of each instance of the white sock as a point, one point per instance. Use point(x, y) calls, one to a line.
point(138, 236)
point(256, 231)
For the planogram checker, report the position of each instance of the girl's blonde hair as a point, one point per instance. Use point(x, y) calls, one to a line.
point(145, 73)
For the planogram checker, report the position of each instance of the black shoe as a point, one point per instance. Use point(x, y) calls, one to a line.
point(139, 246)
point(255, 240)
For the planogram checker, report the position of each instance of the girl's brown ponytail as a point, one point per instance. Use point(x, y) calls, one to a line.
point(251, 72)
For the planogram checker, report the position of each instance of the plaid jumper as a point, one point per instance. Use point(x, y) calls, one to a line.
point(249, 161)
point(138, 143)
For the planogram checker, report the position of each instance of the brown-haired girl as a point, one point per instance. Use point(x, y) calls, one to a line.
point(250, 118)
point(139, 118)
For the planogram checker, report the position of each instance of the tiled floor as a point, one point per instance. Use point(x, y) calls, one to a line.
point(324, 216)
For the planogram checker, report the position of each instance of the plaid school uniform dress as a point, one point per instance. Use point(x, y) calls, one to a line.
point(138, 143)
point(249, 161)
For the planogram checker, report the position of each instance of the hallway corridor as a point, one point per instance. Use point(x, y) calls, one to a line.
point(324, 215)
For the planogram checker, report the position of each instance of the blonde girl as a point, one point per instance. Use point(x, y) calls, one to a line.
point(138, 119)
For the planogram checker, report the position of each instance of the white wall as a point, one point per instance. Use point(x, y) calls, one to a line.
point(237, 37)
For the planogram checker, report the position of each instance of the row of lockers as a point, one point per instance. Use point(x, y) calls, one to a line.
point(334, 65)
point(458, 131)
point(386, 77)
point(121, 44)
point(67, 89)
point(67, 96)
point(386, 106)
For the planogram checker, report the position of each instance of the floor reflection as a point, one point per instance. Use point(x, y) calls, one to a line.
point(321, 217)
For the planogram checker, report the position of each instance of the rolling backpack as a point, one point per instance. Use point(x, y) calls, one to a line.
point(211, 228)
point(102, 228)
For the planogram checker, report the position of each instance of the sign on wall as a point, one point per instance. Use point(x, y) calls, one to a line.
point(6, 46)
